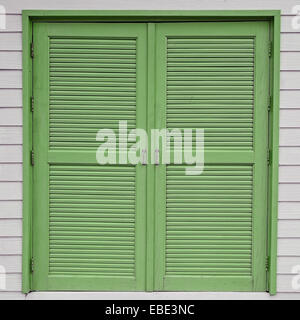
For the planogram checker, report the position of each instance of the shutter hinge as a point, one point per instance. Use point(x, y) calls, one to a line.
point(31, 265)
point(270, 49)
point(267, 263)
point(32, 158)
point(270, 105)
point(32, 103)
point(269, 157)
point(31, 50)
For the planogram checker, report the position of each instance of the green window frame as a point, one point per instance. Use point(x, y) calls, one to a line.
point(32, 16)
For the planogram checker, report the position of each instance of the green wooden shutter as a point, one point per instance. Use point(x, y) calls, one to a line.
point(88, 222)
point(211, 228)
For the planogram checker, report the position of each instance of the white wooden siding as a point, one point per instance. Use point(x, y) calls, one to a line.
point(10, 154)
point(10, 246)
point(12, 264)
point(289, 99)
point(10, 116)
point(11, 60)
point(10, 209)
point(10, 97)
point(11, 79)
point(18, 5)
point(11, 129)
point(10, 172)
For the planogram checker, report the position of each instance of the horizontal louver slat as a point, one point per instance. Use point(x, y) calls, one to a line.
point(210, 85)
point(92, 86)
point(209, 232)
point(92, 220)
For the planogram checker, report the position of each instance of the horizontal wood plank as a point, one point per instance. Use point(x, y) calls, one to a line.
point(289, 210)
point(290, 42)
point(11, 227)
point(12, 295)
point(290, 61)
point(289, 228)
point(10, 41)
point(13, 282)
point(290, 118)
point(289, 137)
point(10, 172)
point(285, 283)
point(10, 60)
point(13, 23)
point(289, 191)
point(11, 79)
point(10, 246)
point(289, 247)
point(10, 191)
point(10, 135)
point(288, 174)
point(10, 116)
point(287, 24)
point(12, 264)
point(289, 156)
point(10, 98)
point(11, 154)
point(10, 209)
point(290, 79)
point(290, 99)
point(287, 265)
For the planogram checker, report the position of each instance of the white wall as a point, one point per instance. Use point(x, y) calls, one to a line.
point(11, 134)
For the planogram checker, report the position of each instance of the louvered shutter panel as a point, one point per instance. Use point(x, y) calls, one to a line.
point(89, 230)
point(88, 218)
point(211, 228)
